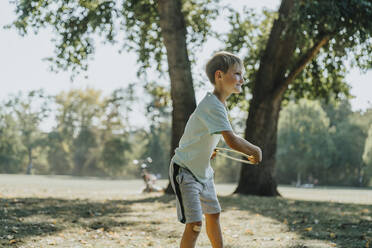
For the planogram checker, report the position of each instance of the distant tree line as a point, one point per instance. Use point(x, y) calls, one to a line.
point(326, 144)
point(91, 133)
point(94, 135)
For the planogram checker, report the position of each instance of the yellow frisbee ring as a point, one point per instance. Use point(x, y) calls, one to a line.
point(223, 152)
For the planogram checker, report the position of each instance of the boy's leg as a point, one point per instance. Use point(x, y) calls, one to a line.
point(212, 222)
point(189, 208)
point(190, 234)
point(211, 209)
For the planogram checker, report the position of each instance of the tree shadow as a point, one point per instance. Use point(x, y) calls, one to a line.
point(347, 225)
point(27, 217)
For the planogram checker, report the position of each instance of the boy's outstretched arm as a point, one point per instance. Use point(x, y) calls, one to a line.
point(237, 143)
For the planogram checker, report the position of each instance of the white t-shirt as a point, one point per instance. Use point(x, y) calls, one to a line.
point(201, 136)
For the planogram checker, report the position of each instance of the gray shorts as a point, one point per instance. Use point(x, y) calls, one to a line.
point(192, 198)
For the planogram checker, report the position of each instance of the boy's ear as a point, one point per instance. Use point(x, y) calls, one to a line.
point(218, 74)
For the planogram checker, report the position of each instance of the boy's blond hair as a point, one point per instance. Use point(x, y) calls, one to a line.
point(221, 61)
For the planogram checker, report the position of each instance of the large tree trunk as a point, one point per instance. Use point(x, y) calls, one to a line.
point(276, 72)
point(173, 31)
point(261, 125)
point(261, 129)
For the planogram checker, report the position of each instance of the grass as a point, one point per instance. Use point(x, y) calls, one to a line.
point(46, 211)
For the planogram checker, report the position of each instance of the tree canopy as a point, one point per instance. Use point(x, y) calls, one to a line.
point(134, 25)
point(304, 56)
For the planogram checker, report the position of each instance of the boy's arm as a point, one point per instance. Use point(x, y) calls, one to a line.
point(237, 143)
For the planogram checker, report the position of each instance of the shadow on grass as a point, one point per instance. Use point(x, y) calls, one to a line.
point(347, 225)
point(29, 217)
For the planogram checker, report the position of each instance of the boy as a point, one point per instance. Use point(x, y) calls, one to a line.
point(190, 172)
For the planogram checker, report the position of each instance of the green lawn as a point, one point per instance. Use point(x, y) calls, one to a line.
point(59, 211)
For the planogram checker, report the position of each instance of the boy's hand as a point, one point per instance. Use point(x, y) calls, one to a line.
point(256, 157)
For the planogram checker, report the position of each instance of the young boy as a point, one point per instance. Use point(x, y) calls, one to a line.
point(190, 172)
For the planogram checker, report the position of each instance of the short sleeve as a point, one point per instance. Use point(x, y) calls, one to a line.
point(214, 118)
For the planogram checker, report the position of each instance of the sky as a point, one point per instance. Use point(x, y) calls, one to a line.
point(22, 67)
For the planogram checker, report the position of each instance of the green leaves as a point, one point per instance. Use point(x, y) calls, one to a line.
point(159, 108)
point(74, 24)
point(199, 14)
point(142, 29)
point(347, 22)
point(367, 154)
point(248, 35)
point(140, 23)
point(319, 141)
point(77, 23)
point(11, 149)
point(24, 117)
point(134, 24)
point(113, 153)
point(319, 81)
point(304, 144)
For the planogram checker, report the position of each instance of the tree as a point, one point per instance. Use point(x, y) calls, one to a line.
point(29, 113)
point(347, 162)
point(79, 111)
point(328, 147)
point(11, 148)
point(91, 134)
point(304, 56)
point(113, 153)
point(305, 145)
point(337, 111)
point(58, 154)
point(158, 111)
point(348, 136)
point(173, 18)
point(114, 128)
point(367, 155)
point(76, 22)
point(78, 114)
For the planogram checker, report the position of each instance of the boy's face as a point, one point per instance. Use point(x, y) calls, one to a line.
point(232, 80)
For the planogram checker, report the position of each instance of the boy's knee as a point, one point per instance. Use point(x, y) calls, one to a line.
point(196, 226)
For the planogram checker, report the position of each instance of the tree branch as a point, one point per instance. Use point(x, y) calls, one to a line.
point(301, 64)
